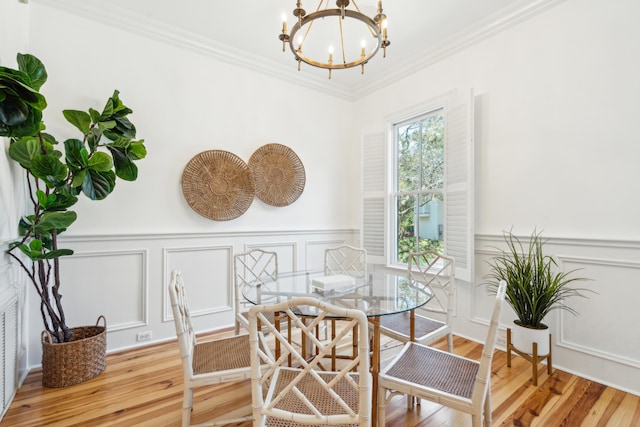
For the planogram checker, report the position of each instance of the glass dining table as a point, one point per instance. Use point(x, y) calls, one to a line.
point(378, 294)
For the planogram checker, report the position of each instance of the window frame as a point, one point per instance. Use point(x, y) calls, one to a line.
point(395, 193)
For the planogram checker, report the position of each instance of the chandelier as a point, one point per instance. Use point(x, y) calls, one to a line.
point(315, 37)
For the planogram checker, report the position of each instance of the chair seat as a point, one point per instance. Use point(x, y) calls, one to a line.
point(222, 355)
point(315, 392)
point(435, 369)
point(400, 323)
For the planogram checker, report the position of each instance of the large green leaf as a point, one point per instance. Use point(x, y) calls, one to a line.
point(125, 169)
point(76, 154)
point(29, 127)
point(79, 119)
point(13, 111)
point(100, 162)
point(95, 115)
point(49, 169)
point(61, 201)
point(55, 220)
point(24, 150)
point(38, 254)
point(35, 69)
point(98, 185)
point(137, 150)
point(56, 253)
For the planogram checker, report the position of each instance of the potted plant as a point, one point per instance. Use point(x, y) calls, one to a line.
point(534, 288)
point(90, 165)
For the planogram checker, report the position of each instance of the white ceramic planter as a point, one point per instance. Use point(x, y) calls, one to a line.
point(523, 338)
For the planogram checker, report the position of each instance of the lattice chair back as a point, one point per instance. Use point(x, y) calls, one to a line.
point(482, 385)
point(347, 260)
point(437, 273)
point(251, 268)
point(300, 392)
point(182, 320)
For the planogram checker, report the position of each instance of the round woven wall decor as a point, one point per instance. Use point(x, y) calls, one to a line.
point(278, 174)
point(218, 185)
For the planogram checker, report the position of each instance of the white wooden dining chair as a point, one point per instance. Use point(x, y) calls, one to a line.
point(251, 268)
point(346, 259)
point(442, 377)
point(205, 363)
point(436, 273)
point(350, 261)
point(299, 393)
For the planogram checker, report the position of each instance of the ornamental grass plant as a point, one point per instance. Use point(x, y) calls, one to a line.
point(535, 285)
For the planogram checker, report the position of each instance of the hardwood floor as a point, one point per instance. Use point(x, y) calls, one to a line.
point(143, 387)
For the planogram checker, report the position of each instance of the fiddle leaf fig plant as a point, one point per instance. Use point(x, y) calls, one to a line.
point(105, 150)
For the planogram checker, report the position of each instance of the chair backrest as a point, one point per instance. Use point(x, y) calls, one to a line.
point(437, 273)
point(347, 260)
point(307, 375)
point(484, 371)
point(182, 321)
point(251, 268)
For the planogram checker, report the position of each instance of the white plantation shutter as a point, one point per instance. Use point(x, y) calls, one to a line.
point(373, 203)
point(459, 232)
point(459, 208)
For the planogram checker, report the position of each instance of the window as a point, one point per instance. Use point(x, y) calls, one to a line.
point(417, 187)
point(418, 197)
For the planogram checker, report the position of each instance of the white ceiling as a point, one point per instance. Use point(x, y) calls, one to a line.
point(245, 32)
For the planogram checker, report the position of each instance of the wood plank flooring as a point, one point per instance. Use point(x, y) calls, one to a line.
point(143, 387)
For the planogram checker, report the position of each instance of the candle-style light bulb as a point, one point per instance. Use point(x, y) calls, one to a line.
point(284, 37)
point(363, 53)
point(330, 59)
point(385, 42)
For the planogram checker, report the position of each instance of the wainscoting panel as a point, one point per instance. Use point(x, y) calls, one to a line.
point(207, 293)
point(110, 283)
point(600, 329)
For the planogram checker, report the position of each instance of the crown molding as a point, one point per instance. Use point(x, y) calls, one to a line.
point(126, 20)
point(117, 17)
point(484, 29)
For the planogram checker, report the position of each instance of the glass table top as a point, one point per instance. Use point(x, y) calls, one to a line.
point(378, 294)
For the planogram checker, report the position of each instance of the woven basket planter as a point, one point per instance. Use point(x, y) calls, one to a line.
point(76, 361)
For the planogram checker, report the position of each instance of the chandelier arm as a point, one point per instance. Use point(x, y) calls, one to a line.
point(344, 56)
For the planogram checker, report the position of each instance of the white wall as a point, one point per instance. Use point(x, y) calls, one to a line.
point(556, 149)
point(185, 102)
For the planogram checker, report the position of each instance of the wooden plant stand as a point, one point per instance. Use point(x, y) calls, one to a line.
point(533, 357)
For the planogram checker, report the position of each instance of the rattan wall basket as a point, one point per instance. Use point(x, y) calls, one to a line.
point(76, 361)
point(218, 185)
point(278, 174)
